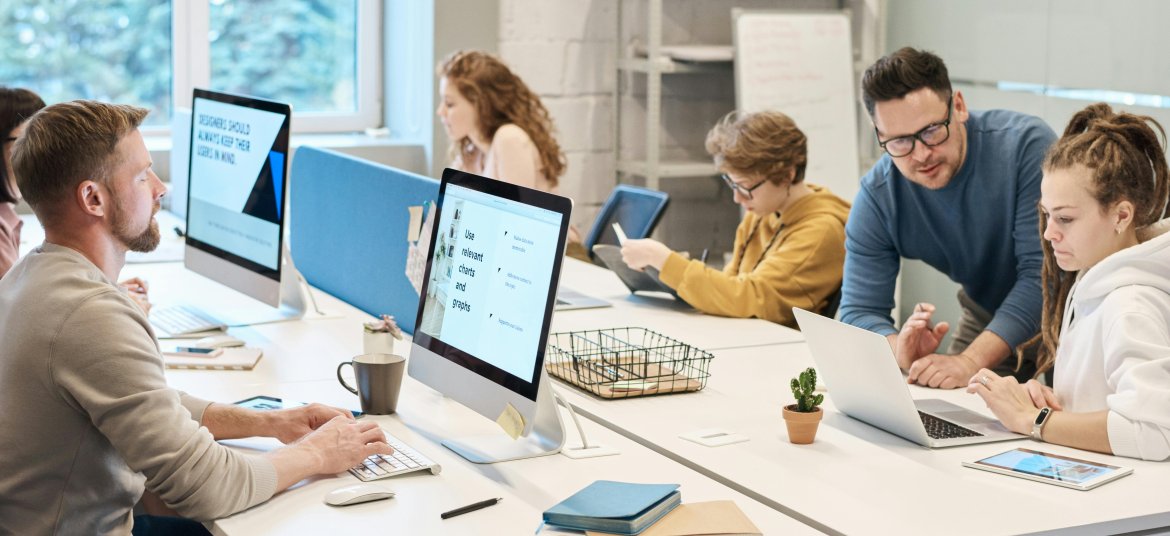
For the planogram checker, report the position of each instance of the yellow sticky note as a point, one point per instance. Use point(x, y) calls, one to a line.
point(511, 421)
point(415, 226)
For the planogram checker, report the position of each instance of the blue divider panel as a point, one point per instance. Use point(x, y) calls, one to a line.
point(348, 228)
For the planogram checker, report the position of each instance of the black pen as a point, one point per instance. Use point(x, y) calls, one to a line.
point(470, 508)
point(179, 231)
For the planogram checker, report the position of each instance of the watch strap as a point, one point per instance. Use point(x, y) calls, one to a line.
point(1038, 424)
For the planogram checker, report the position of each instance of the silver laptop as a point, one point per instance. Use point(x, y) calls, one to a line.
point(568, 299)
point(865, 383)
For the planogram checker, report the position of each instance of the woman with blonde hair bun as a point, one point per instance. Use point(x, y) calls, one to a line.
point(1105, 325)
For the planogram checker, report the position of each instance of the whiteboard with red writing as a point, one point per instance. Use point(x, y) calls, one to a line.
point(801, 64)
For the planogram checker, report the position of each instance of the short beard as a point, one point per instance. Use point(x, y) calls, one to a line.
point(144, 242)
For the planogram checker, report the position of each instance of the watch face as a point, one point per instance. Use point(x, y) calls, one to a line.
point(1042, 416)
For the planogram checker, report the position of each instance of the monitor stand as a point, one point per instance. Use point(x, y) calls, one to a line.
point(547, 436)
point(294, 297)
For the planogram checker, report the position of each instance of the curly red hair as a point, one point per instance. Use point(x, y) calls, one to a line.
point(500, 97)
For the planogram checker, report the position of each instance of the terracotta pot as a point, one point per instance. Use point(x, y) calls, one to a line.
point(802, 427)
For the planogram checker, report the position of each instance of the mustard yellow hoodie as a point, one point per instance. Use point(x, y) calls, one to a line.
point(801, 268)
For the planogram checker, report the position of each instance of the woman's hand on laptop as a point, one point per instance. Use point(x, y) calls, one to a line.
point(1013, 404)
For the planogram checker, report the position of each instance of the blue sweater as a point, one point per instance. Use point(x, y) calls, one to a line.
point(980, 229)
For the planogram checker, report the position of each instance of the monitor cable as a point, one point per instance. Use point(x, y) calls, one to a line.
point(309, 290)
point(586, 450)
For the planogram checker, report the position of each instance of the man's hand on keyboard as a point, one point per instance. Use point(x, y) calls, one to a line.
point(343, 443)
point(289, 425)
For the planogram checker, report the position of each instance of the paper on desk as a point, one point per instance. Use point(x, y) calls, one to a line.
point(416, 254)
point(511, 421)
point(700, 519)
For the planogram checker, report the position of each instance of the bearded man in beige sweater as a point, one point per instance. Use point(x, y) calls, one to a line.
point(88, 421)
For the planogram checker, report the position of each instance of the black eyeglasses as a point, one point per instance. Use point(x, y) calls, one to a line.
point(745, 191)
point(930, 136)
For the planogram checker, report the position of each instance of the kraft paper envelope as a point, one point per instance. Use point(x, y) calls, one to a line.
point(701, 519)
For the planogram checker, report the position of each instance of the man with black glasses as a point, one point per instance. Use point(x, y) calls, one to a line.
point(958, 190)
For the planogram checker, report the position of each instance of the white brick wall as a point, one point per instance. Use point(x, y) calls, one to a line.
point(566, 51)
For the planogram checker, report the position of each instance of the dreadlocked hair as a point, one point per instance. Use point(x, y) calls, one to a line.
point(1125, 156)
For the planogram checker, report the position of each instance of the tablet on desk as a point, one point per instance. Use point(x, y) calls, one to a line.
point(262, 402)
point(1051, 468)
point(646, 280)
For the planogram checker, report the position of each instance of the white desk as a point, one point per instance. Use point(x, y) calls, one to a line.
point(424, 418)
point(659, 313)
point(299, 364)
point(856, 479)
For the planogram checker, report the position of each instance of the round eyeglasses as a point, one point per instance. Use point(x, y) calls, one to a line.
point(931, 135)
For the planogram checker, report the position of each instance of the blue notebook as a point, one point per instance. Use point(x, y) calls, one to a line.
point(616, 507)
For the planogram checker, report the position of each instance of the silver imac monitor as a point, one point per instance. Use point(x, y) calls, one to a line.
point(237, 179)
point(487, 300)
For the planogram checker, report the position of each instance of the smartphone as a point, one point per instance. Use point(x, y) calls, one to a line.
point(262, 402)
point(193, 351)
point(1049, 468)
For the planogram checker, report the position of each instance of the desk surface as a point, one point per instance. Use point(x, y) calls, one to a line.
point(857, 479)
point(659, 313)
point(854, 479)
point(299, 363)
point(424, 419)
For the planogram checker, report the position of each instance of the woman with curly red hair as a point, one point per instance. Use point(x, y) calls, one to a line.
point(497, 125)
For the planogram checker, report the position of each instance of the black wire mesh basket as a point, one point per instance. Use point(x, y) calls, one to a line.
point(626, 362)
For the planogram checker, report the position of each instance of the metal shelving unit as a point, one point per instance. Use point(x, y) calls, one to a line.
point(654, 66)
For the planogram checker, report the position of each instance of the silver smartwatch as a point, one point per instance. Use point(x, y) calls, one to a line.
point(1038, 424)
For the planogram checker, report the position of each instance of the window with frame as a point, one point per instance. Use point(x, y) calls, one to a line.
point(321, 56)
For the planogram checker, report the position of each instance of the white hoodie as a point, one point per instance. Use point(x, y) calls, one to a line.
point(1114, 351)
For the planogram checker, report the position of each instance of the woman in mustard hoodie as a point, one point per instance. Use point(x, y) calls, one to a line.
point(790, 246)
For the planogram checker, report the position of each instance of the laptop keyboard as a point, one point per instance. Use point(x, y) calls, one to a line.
point(182, 320)
point(403, 460)
point(940, 429)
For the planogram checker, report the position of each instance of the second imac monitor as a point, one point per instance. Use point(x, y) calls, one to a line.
point(486, 307)
point(235, 205)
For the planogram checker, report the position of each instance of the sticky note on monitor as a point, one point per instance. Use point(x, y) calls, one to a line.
point(415, 226)
point(511, 421)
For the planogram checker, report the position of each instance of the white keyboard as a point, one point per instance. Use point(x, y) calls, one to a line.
point(403, 460)
point(182, 320)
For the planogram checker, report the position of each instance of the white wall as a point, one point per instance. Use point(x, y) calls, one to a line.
point(566, 50)
point(1073, 44)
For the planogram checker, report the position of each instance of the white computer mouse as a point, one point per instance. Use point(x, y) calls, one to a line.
point(218, 341)
point(357, 493)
